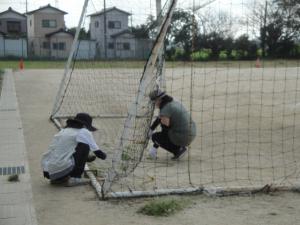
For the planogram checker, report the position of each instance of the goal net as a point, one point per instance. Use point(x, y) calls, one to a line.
point(246, 108)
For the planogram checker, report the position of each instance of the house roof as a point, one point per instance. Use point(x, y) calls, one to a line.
point(46, 7)
point(12, 11)
point(121, 33)
point(108, 10)
point(59, 31)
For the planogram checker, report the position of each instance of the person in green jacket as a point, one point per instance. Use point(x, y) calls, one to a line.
point(178, 129)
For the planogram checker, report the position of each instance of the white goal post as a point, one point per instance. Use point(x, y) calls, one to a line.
point(247, 116)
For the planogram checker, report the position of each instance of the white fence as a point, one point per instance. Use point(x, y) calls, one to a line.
point(86, 49)
point(13, 47)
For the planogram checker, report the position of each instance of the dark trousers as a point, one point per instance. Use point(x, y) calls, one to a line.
point(80, 157)
point(161, 139)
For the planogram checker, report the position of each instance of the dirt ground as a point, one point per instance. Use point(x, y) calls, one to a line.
point(36, 90)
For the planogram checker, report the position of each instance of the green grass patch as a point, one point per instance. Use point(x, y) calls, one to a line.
point(13, 178)
point(60, 64)
point(125, 156)
point(236, 64)
point(1, 78)
point(32, 64)
point(163, 207)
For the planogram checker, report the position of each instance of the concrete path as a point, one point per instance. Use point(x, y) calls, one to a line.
point(16, 203)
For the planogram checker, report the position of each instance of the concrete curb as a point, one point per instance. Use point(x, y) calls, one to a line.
point(16, 200)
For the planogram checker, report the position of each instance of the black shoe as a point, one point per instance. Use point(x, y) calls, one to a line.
point(59, 181)
point(91, 158)
point(180, 154)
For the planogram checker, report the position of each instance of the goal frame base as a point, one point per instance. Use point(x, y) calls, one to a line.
point(209, 191)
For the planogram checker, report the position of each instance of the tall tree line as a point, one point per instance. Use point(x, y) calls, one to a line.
point(270, 29)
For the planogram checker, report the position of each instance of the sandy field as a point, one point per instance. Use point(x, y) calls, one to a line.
point(36, 91)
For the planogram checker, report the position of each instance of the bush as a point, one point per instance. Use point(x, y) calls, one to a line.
point(179, 54)
point(296, 51)
point(223, 55)
point(259, 52)
point(202, 55)
point(162, 207)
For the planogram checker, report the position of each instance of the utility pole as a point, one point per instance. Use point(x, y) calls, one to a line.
point(105, 31)
point(158, 8)
point(160, 58)
point(26, 6)
point(264, 32)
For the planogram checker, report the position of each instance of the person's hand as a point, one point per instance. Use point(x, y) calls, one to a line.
point(100, 154)
point(150, 133)
point(165, 121)
point(104, 156)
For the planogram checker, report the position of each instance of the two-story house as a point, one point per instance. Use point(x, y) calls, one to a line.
point(109, 28)
point(12, 23)
point(46, 32)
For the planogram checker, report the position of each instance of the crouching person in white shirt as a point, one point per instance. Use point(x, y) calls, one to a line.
point(69, 151)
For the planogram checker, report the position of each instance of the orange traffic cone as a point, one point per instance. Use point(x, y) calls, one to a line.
point(21, 64)
point(257, 63)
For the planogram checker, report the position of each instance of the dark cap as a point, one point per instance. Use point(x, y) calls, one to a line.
point(86, 120)
point(156, 94)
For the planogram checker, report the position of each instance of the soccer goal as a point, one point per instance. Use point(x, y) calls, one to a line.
point(206, 55)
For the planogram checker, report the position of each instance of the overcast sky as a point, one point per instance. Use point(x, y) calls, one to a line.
point(140, 9)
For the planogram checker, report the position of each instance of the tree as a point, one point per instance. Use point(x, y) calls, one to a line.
point(216, 42)
point(147, 30)
point(140, 31)
point(182, 31)
point(83, 34)
point(220, 22)
point(279, 25)
point(216, 32)
point(246, 47)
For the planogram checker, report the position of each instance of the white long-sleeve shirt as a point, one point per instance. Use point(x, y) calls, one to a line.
point(58, 161)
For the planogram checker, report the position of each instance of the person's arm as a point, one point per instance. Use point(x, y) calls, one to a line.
point(86, 137)
point(85, 147)
point(155, 123)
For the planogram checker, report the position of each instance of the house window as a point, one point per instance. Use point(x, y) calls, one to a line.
point(13, 26)
point(59, 46)
point(120, 46)
point(46, 45)
point(0, 23)
point(111, 45)
point(114, 24)
point(123, 46)
point(55, 46)
point(96, 24)
point(126, 46)
point(49, 23)
point(30, 23)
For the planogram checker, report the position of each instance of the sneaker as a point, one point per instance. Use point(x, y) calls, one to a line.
point(91, 158)
point(153, 152)
point(74, 181)
point(180, 154)
point(59, 181)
